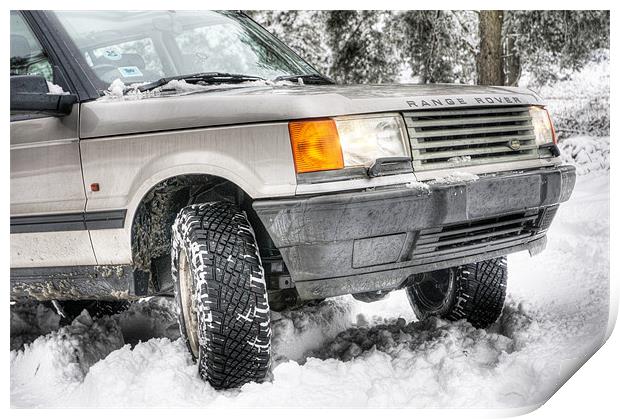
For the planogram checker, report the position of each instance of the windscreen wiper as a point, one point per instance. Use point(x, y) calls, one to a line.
point(306, 78)
point(201, 78)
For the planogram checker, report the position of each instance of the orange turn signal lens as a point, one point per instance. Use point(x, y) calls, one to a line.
point(316, 145)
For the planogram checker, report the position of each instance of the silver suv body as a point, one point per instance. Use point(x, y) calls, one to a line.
point(78, 182)
point(192, 153)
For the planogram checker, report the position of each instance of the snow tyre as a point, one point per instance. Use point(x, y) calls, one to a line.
point(221, 294)
point(475, 292)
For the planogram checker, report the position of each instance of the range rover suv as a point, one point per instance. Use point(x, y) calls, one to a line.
point(193, 154)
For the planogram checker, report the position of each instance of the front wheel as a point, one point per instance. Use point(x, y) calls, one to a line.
point(221, 294)
point(475, 292)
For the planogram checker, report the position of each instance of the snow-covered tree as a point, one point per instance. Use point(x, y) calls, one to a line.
point(552, 44)
point(439, 46)
point(362, 46)
point(303, 31)
point(436, 46)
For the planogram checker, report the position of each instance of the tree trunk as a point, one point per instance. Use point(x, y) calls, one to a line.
point(489, 61)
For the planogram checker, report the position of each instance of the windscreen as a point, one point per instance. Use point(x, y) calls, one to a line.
point(139, 47)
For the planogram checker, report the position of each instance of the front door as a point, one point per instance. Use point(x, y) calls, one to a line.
point(47, 191)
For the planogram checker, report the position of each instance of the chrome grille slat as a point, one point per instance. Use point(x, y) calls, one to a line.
point(488, 160)
point(420, 123)
point(452, 112)
point(469, 131)
point(470, 152)
point(451, 138)
point(415, 145)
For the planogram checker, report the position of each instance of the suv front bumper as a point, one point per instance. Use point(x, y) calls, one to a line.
point(371, 240)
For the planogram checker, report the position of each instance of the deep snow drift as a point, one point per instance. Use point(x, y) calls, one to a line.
point(344, 352)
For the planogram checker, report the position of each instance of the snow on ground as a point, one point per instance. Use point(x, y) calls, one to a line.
point(344, 353)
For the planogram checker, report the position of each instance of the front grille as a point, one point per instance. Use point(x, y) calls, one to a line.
point(464, 137)
point(476, 236)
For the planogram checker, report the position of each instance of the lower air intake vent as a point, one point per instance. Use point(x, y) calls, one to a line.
point(476, 236)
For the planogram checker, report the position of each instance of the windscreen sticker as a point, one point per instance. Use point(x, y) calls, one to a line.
point(112, 54)
point(131, 71)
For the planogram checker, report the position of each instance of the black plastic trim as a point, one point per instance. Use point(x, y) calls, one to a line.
point(332, 175)
point(395, 278)
point(106, 282)
point(390, 166)
point(333, 232)
point(105, 219)
point(47, 223)
point(99, 220)
point(381, 167)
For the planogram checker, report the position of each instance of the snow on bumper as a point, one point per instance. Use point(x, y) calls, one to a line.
point(369, 240)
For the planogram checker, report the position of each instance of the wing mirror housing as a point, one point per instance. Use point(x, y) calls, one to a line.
point(31, 94)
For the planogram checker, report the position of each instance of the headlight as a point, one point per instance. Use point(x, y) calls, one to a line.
point(543, 127)
point(336, 143)
point(364, 140)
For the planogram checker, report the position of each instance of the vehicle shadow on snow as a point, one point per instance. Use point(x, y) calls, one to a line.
point(136, 322)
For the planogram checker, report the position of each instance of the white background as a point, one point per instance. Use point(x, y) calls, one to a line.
point(591, 392)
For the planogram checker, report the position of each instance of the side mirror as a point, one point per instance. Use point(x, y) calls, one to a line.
point(31, 94)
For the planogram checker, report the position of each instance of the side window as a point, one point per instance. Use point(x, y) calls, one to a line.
point(27, 55)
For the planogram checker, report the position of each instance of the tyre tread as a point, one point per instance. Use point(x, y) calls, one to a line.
point(482, 289)
point(478, 295)
point(233, 311)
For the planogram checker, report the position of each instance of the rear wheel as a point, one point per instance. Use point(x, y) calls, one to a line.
point(475, 292)
point(221, 294)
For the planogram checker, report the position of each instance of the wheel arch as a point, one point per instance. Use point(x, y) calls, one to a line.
point(150, 219)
